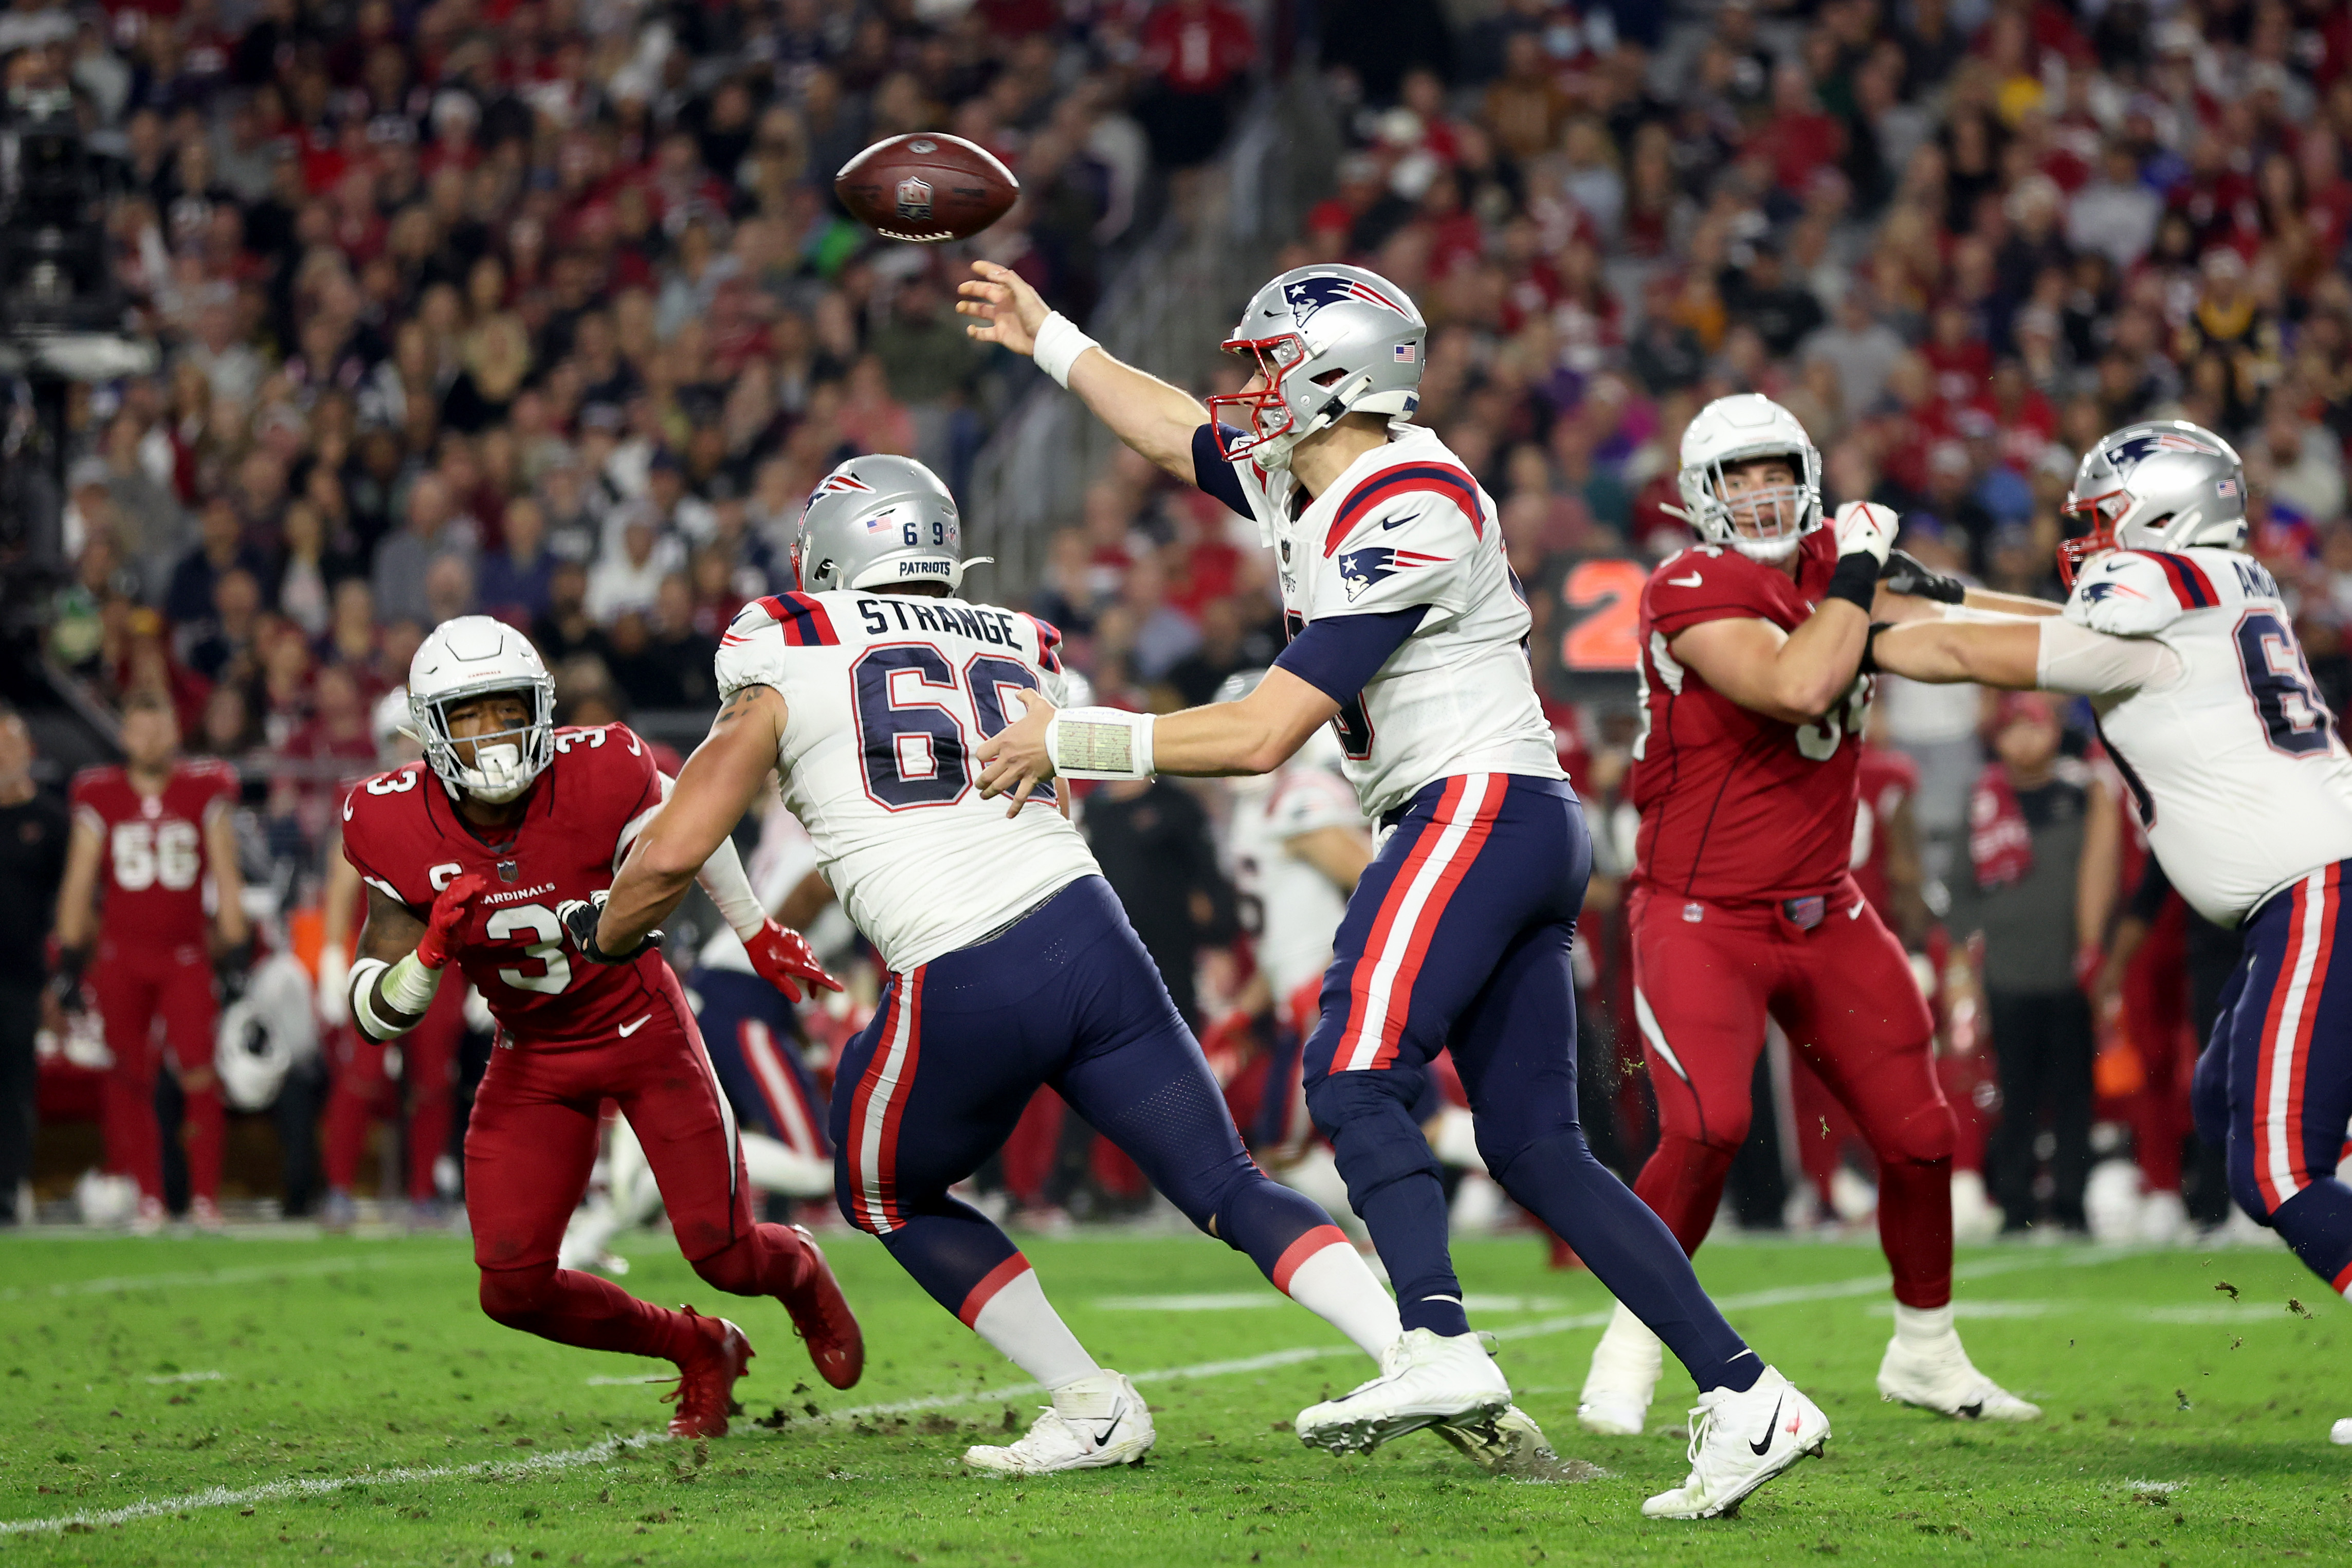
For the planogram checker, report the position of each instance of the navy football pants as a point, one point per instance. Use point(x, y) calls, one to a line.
point(2275, 1084)
point(1065, 998)
point(1458, 936)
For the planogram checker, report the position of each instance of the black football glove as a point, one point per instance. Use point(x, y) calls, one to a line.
point(64, 984)
point(233, 969)
point(1906, 573)
point(580, 917)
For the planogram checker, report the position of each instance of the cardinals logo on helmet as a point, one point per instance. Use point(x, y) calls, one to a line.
point(1361, 569)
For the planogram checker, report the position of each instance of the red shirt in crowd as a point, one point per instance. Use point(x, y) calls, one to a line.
point(1197, 46)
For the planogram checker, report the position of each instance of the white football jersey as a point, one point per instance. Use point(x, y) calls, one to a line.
point(2234, 763)
point(1407, 525)
point(1297, 907)
point(885, 695)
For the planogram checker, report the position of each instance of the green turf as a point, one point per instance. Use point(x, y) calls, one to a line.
point(2183, 1427)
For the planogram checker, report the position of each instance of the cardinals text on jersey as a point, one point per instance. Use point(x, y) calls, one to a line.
point(1406, 527)
point(885, 696)
point(2235, 766)
point(1736, 805)
point(402, 834)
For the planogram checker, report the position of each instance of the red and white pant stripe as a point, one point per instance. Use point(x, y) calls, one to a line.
point(1381, 991)
point(2280, 1167)
point(780, 1090)
point(881, 1101)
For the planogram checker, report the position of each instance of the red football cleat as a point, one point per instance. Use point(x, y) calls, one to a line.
point(706, 1387)
point(821, 1315)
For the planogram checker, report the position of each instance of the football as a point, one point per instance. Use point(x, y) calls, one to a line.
point(925, 187)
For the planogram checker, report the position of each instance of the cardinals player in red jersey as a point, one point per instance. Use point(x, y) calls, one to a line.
point(146, 835)
point(1743, 905)
point(468, 858)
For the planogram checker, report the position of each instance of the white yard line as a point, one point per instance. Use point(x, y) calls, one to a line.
point(597, 1453)
point(273, 1491)
point(185, 1377)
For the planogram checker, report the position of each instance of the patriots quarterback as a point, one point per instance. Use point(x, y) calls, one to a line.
point(2236, 769)
point(1406, 629)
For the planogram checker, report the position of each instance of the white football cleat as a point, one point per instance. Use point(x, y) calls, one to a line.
point(1093, 1422)
point(1739, 1441)
point(1426, 1378)
point(1937, 1375)
point(1626, 1365)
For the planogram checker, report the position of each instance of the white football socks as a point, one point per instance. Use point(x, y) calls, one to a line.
point(1335, 1285)
point(1023, 1325)
point(1629, 1340)
point(1924, 1328)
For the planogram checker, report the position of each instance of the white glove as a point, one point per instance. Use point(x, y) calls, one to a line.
point(1867, 528)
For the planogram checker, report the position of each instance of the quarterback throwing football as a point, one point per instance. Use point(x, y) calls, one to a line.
point(1406, 636)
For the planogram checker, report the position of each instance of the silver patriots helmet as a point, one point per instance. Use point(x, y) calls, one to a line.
point(2163, 484)
point(1326, 341)
point(878, 522)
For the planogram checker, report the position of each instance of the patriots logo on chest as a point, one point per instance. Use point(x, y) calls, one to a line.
point(1361, 569)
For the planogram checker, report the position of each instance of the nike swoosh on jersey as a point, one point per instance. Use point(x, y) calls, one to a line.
point(1692, 581)
point(1856, 913)
point(628, 1029)
point(1396, 522)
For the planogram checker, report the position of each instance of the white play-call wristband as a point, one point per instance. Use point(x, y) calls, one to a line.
point(1099, 743)
point(1059, 344)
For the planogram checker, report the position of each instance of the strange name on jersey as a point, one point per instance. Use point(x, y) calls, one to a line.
point(402, 834)
point(885, 698)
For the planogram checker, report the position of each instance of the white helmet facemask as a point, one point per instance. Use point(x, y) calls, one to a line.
point(466, 659)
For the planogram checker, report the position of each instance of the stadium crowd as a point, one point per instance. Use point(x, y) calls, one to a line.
point(544, 309)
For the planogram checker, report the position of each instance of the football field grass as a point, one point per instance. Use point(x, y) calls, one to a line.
point(236, 1400)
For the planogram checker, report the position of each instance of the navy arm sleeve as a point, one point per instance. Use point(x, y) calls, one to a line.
point(1214, 476)
point(1338, 654)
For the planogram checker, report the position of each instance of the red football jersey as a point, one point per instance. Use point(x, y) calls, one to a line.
point(402, 833)
point(151, 876)
point(1886, 778)
point(1737, 806)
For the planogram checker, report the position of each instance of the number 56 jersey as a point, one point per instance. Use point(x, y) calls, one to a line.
point(885, 698)
point(401, 833)
point(2235, 766)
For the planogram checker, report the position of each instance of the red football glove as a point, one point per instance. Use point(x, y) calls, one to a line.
point(450, 908)
point(784, 959)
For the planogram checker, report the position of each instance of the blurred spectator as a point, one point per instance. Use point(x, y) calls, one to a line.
point(33, 832)
point(1195, 52)
point(513, 581)
point(2045, 843)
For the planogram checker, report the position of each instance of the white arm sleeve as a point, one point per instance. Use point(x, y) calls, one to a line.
point(722, 878)
point(2074, 659)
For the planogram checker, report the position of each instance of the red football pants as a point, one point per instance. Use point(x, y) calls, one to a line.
point(2156, 1017)
point(134, 987)
point(1706, 978)
point(363, 1091)
point(529, 1146)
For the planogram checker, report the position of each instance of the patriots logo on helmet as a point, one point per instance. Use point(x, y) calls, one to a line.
point(1361, 569)
point(2149, 443)
point(835, 484)
point(1310, 295)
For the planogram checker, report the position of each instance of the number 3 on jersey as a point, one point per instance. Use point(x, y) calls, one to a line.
point(912, 706)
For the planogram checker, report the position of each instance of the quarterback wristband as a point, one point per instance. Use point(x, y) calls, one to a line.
point(1099, 743)
point(1855, 580)
point(1059, 344)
